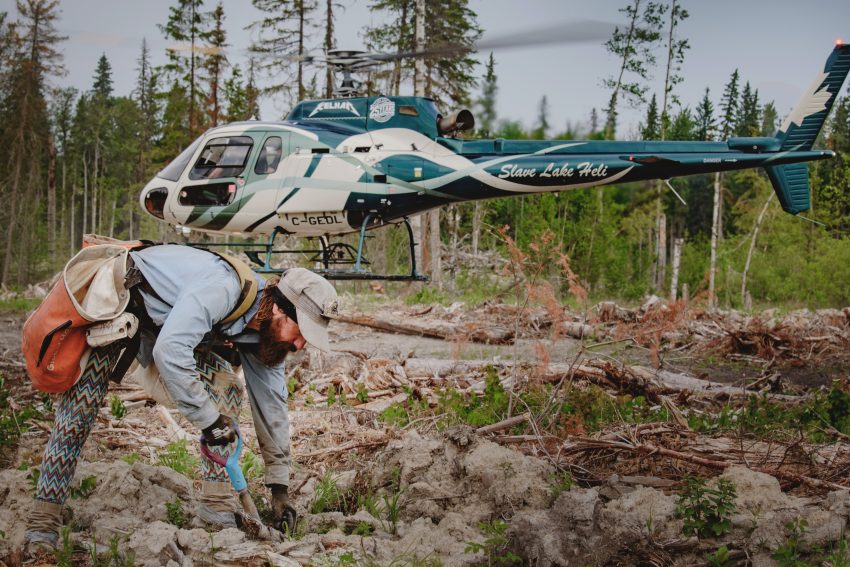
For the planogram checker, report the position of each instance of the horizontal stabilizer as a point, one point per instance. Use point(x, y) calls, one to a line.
point(791, 183)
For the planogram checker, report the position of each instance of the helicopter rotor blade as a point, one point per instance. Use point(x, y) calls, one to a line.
point(576, 31)
point(203, 49)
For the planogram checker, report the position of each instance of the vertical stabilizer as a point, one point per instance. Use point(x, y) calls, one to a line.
point(803, 125)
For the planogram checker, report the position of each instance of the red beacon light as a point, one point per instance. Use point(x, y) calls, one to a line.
point(839, 42)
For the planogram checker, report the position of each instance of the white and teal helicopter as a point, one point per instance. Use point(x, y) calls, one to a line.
point(355, 163)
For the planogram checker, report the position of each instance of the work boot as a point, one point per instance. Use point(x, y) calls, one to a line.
point(43, 525)
point(284, 516)
point(217, 505)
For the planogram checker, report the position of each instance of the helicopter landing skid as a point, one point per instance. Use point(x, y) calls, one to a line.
point(339, 260)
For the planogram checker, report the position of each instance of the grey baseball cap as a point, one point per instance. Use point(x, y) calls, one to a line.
point(315, 301)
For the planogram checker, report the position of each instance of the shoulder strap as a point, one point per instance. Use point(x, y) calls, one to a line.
point(246, 281)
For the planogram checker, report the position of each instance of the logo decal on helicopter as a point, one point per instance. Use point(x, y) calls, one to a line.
point(584, 169)
point(382, 110)
point(334, 105)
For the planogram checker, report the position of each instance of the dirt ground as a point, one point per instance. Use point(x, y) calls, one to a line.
point(414, 495)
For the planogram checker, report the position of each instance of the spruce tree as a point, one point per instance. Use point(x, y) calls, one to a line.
point(704, 119)
point(449, 77)
point(487, 103)
point(282, 43)
point(651, 129)
point(769, 119)
point(214, 64)
point(542, 119)
point(747, 122)
point(33, 58)
point(102, 87)
point(729, 106)
point(186, 25)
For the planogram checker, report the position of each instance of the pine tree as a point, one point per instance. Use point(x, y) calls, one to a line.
point(33, 59)
point(729, 106)
point(542, 119)
point(683, 126)
point(747, 122)
point(214, 64)
point(102, 87)
point(281, 45)
point(329, 44)
point(704, 119)
point(651, 129)
point(487, 103)
point(769, 119)
point(146, 98)
point(449, 78)
point(633, 46)
point(186, 24)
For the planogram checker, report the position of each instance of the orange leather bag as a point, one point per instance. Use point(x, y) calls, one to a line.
point(90, 290)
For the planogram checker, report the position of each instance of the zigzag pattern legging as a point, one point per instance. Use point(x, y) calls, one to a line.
point(76, 412)
point(77, 409)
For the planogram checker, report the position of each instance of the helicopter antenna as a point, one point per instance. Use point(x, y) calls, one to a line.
point(667, 181)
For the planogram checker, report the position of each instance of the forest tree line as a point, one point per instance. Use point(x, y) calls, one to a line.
point(75, 161)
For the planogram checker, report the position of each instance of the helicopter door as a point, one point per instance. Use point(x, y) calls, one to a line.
point(264, 179)
point(215, 182)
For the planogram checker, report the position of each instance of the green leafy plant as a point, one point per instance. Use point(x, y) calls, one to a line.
point(12, 421)
point(560, 483)
point(789, 553)
point(115, 558)
point(719, 558)
point(174, 513)
point(131, 458)
point(370, 502)
point(252, 465)
point(364, 529)
point(85, 488)
point(32, 477)
point(493, 546)
point(328, 495)
point(392, 509)
point(65, 552)
point(117, 407)
point(176, 456)
point(706, 510)
point(839, 556)
point(362, 393)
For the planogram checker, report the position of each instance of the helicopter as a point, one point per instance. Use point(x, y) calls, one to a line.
point(353, 163)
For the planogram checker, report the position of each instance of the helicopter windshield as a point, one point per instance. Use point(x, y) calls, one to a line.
point(222, 157)
point(173, 170)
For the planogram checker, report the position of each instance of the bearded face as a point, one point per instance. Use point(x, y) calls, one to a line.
point(273, 351)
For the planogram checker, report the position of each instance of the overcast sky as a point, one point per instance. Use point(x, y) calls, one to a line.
point(778, 45)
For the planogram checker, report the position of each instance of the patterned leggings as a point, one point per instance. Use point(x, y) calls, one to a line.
point(76, 412)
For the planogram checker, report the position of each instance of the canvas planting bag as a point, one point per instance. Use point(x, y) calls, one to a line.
point(89, 290)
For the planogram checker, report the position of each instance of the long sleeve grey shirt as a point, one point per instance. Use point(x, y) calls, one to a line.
point(197, 290)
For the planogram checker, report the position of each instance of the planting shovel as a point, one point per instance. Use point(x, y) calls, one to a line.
point(249, 520)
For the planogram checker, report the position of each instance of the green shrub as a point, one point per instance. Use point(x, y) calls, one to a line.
point(174, 513)
point(706, 511)
point(176, 456)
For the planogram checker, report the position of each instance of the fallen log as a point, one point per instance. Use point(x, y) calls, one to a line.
point(502, 425)
point(399, 323)
point(650, 449)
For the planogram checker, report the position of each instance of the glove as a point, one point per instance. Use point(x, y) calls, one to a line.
point(221, 432)
point(284, 516)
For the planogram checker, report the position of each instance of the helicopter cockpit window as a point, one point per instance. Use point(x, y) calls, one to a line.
point(174, 169)
point(222, 157)
point(269, 157)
